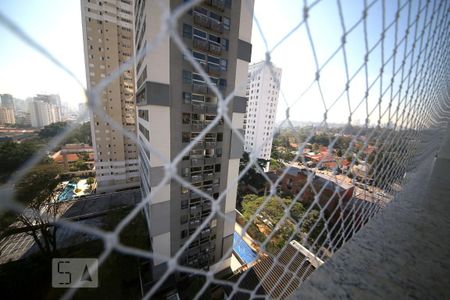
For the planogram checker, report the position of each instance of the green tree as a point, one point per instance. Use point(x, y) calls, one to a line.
point(274, 210)
point(35, 191)
point(79, 135)
point(52, 130)
point(13, 155)
point(79, 165)
point(90, 180)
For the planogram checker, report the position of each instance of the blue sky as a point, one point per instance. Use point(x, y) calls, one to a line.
point(56, 24)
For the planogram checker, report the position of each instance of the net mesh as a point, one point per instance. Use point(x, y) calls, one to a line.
point(398, 87)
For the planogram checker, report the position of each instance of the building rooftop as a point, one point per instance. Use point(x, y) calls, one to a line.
point(276, 279)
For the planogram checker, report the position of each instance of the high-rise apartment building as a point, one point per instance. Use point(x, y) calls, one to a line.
point(55, 101)
point(263, 86)
point(174, 105)
point(7, 116)
point(43, 113)
point(8, 101)
point(108, 42)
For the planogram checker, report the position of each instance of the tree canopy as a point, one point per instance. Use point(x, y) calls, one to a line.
point(80, 134)
point(286, 230)
point(13, 154)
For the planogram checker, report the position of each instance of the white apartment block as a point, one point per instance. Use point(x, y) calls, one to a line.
point(263, 86)
point(7, 116)
point(43, 113)
point(108, 42)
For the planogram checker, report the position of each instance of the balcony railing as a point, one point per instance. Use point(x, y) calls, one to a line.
point(201, 44)
point(199, 88)
point(216, 26)
point(218, 4)
point(201, 20)
point(210, 144)
point(199, 145)
point(198, 127)
point(215, 49)
point(214, 70)
point(197, 162)
point(196, 178)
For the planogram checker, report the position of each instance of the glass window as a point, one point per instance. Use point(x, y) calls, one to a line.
point(185, 137)
point(184, 219)
point(214, 60)
point(186, 97)
point(226, 23)
point(198, 98)
point(187, 31)
point(214, 16)
point(184, 204)
point(224, 44)
point(201, 10)
point(200, 34)
point(199, 56)
point(214, 38)
point(197, 77)
point(187, 77)
point(223, 64)
point(186, 118)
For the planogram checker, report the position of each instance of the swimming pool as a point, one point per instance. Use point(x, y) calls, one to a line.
point(67, 193)
point(240, 247)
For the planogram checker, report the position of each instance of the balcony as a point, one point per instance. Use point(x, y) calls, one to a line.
point(195, 194)
point(197, 162)
point(206, 206)
point(201, 20)
point(211, 108)
point(198, 126)
point(215, 49)
point(194, 224)
point(208, 176)
point(205, 233)
point(196, 178)
point(199, 88)
point(210, 145)
point(216, 26)
point(214, 70)
point(201, 44)
point(212, 160)
point(217, 4)
point(208, 190)
point(198, 145)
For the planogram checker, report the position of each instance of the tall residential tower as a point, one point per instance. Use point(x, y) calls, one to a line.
point(263, 87)
point(108, 42)
point(174, 105)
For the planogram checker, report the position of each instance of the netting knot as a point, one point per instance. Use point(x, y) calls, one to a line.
point(305, 12)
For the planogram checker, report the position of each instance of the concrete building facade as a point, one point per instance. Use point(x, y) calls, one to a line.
point(43, 113)
point(263, 86)
point(8, 101)
point(7, 116)
point(108, 42)
point(174, 104)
